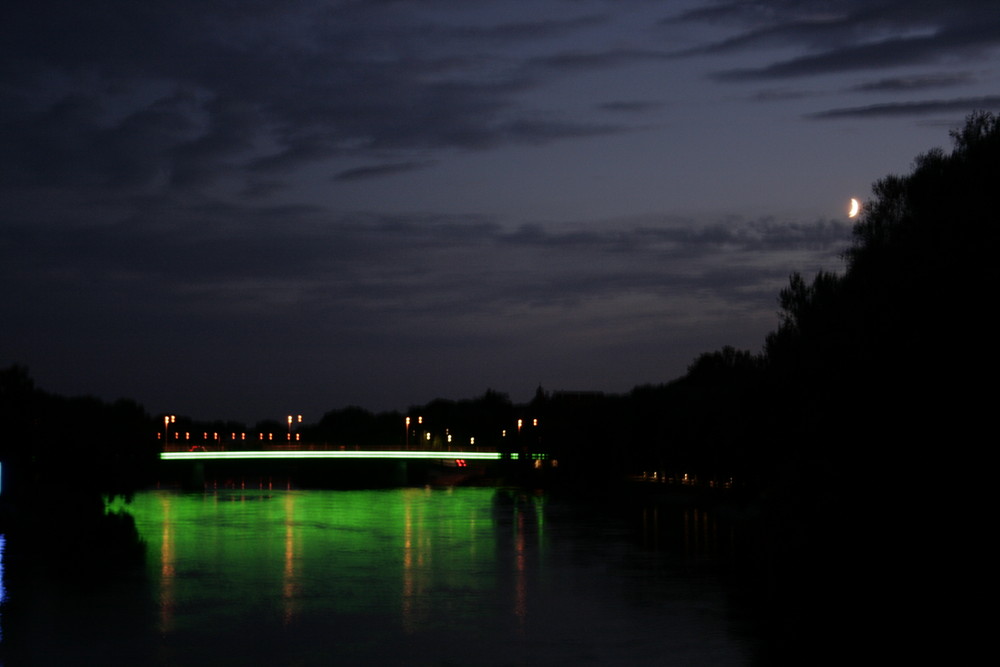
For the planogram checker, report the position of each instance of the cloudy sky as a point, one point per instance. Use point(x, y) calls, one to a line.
point(241, 209)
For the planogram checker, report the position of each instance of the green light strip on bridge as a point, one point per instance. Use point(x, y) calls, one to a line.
point(335, 454)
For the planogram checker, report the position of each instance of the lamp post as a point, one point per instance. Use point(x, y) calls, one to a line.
point(167, 421)
point(290, 420)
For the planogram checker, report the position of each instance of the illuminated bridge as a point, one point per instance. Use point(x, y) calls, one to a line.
point(391, 454)
point(294, 466)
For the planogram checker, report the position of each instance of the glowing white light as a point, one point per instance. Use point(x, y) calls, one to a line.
point(336, 454)
point(855, 208)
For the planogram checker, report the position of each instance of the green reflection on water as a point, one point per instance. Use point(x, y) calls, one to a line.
point(472, 576)
point(408, 556)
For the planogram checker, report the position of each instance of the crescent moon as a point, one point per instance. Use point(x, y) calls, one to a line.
point(855, 208)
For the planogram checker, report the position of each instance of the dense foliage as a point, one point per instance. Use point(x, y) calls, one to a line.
point(63, 460)
point(875, 381)
point(893, 354)
point(81, 446)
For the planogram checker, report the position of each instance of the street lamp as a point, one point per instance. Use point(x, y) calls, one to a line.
point(290, 419)
point(167, 421)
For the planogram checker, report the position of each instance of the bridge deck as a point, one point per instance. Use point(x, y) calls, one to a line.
point(331, 454)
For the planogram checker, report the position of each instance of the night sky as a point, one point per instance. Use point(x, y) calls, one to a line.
point(241, 209)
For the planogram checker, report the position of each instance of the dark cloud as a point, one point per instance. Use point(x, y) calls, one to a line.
point(965, 105)
point(263, 188)
point(903, 84)
point(720, 12)
point(523, 30)
point(631, 106)
point(823, 31)
point(780, 95)
point(587, 60)
point(894, 52)
point(377, 171)
point(187, 94)
point(849, 35)
point(692, 238)
point(541, 130)
point(333, 261)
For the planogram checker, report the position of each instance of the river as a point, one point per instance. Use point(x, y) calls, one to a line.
point(405, 576)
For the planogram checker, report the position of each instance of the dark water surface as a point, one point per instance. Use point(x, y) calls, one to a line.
point(409, 576)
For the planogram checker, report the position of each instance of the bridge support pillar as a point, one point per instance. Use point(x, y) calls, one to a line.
point(400, 474)
point(198, 474)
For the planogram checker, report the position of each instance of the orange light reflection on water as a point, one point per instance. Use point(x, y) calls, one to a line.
point(290, 585)
point(167, 571)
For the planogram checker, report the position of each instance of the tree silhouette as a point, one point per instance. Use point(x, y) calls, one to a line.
point(879, 383)
point(889, 350)
point(63, 457)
